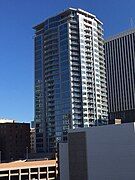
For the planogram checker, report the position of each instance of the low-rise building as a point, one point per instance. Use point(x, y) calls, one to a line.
point(104, 152)
point(29, 170)
point(4, 120)
point(14, 140)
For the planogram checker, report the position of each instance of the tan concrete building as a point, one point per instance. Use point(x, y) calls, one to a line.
point(29, 170)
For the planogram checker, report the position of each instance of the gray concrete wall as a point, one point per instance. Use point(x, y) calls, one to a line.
point(111, 152)
point(63, 161)
point(77, 156)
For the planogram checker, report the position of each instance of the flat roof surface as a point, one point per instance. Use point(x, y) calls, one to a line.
point(26, 164)
point(64, 11)
point(122, 34)
point(103, 128)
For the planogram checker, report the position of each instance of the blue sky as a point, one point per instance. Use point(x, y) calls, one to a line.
point(17, 17)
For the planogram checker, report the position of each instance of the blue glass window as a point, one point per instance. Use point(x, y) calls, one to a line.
point(65, 75)
point(65, 86)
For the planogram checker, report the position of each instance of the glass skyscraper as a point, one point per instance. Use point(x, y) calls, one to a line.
point(70, 76)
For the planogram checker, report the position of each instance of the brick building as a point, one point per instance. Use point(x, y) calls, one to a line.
point(14, 140)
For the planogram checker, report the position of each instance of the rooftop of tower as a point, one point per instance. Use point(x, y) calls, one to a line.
point(81, 11)
point(122, 34)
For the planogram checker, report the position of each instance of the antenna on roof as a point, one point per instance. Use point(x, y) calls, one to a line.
point(68, 3)
point(131, 22)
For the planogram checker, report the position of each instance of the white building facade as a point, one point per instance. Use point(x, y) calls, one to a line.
point(92, 68)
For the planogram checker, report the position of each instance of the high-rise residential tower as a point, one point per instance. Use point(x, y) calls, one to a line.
point(120, 61)
point(70, 77)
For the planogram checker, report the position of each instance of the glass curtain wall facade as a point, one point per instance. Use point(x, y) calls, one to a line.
point(70, 77)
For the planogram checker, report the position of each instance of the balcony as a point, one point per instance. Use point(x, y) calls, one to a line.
point(76, 95)
point(73, 48)
point(73, 26)
point(73, 32)
point(76, 100)
point(74, 53)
